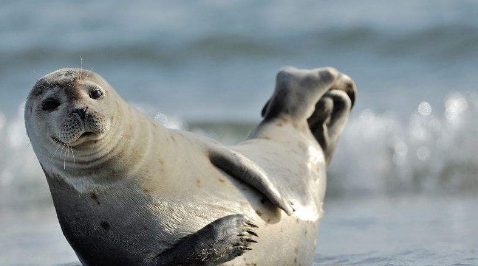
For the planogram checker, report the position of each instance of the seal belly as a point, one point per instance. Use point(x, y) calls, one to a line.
point(213, 194)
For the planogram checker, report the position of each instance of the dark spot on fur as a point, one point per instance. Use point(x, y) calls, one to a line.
point(198, 183)
point(302, 145)
point(267, 138)
point(172, 138)
point(269, 220)
point(161, 162)
point(38, 90)
point(221, 180)
point(94, 197)
point(105, 225)
point(259, 212)
point(295, 260)
point(279, 124)
point(40, 87)
point(296, 250)
point(264, 200)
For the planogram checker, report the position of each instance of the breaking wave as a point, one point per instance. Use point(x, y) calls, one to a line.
point(431, 152)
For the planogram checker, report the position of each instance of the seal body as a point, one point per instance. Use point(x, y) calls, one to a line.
point(127, 189)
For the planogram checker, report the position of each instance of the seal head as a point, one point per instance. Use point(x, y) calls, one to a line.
point(69, 107)
point(69, 116)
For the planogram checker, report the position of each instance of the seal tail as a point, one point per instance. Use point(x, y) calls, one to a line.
point(323, 98)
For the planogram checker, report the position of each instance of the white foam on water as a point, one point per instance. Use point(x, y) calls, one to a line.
point(21, 177)
point(430, 152)
point(170, 122)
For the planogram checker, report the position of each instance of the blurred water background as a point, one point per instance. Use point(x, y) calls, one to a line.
point(403, 185)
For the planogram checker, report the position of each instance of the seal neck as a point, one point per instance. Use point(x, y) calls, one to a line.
point(122, 153)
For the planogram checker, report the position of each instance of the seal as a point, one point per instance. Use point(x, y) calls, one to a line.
point(128, 191)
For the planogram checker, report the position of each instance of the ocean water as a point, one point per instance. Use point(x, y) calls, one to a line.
point(403, 184)
point(374, 231)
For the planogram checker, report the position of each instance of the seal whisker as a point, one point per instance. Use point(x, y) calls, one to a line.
point(88, 74)
point(36, 73)
point(68, 148)
point(66, 154)
point(64, 159)
point(81, 68)
point(73, 154)
point(58, 146)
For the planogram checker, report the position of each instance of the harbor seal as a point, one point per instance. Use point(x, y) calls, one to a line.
point(128, 191)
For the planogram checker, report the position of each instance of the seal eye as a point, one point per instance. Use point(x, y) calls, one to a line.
point(50, 104)
point(95, 94)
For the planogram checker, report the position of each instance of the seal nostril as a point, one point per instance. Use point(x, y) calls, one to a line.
point(81, 112)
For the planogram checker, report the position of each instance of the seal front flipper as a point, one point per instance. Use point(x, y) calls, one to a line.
point(240, 167)
point(216, 243)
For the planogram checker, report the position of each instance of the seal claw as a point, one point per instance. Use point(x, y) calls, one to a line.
point(252, 233)
point(251, 224)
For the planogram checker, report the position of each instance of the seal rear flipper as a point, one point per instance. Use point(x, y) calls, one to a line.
point(320, 98)
point(297, 91)
point(331, 114)
point(240, 167)
point(216, 243)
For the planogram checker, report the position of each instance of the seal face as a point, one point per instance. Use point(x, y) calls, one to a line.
point(72, 109)
point(128, 191)
point(69, 115)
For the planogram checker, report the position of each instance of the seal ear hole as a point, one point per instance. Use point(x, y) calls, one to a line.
point(96, 94)
point(50, 104)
